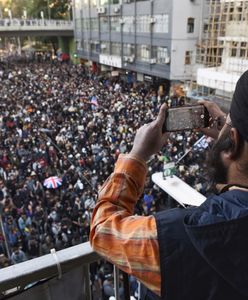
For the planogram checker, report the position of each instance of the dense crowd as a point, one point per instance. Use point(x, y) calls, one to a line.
point(61, 120)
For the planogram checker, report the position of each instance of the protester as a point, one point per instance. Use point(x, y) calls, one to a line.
point(194, 253)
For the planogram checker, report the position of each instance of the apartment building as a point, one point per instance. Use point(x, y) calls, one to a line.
point(149, 39)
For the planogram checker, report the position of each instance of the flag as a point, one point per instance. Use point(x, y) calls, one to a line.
point(94, 101)
point(202, 143)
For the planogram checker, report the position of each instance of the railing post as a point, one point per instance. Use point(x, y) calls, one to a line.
point(126, 286)
point(87, 285)
point(116, 282)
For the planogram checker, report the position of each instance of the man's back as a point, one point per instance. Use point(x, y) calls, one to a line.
point(202, 249)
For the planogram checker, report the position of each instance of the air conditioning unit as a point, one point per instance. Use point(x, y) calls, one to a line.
point(167, 60)
point(101, 10)
point(117, 9)
point(127, 1)
point(103, 46)
point(153, 20)
point(153, 61)
point(131, 60)
point(125, 58)
point(122, 21)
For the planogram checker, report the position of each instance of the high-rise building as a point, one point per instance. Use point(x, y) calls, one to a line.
point(147, 39)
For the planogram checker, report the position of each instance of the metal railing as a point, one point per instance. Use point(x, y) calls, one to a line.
point(56, 264)
point(34, 24)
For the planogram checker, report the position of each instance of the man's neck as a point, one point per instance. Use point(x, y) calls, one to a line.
point(235, 176)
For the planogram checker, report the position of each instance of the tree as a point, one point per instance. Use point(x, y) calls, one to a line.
point(54, 9)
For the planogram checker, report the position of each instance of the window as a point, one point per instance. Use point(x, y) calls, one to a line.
point(162, 55)
point(143, 23)
point(239, 13)
point(104, 25)
point(128, 50)
point(205, 28)
point(86, 24)
point(234, 48)
point(231, 10)
point(116, 49)
point(79, 45)
point(95, 47)
point(233, 52)
point(86, 45)
point(188, 57)
point(115, 23)
point(242, 52)
point(105, 48)
point(162, 24)
point(128, 25)
point(94, 24)
point(143, 53)
point(243, 49)
point(93, 2)
point(190, 25)
point(78, 24)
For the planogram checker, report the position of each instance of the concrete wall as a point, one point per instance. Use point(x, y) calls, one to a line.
point(181, 40)
point(67, 45)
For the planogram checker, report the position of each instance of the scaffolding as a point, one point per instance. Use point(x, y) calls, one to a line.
point(223, 48)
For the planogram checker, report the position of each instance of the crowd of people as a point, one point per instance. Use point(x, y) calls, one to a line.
point(61, 120)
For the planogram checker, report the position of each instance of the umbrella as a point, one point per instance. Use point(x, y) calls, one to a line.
point(52, 182)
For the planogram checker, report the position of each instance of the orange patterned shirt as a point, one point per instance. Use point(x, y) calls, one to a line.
point(130, 242)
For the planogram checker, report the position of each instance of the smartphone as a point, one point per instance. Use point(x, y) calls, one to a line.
point(186, 118)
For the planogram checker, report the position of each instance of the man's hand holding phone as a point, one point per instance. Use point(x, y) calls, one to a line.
point(149, 138)
point(217, 119)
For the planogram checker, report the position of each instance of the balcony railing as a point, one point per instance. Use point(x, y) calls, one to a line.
point(69, 266)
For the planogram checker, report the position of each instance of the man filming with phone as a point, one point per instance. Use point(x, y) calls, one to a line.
point(194, 253)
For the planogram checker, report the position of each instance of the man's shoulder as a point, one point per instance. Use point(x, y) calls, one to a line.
point(174, 214)
point(170, 223)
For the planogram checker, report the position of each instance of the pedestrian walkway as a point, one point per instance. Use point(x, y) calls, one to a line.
point(38, 27)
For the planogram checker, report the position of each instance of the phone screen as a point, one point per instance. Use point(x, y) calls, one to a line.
point(186, 117)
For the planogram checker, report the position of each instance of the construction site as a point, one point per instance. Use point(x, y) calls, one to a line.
point(223, 48)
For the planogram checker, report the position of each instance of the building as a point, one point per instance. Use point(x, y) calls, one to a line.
point(223, 48)
point(147, 40)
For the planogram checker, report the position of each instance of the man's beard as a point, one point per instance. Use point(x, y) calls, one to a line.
point(216, 169)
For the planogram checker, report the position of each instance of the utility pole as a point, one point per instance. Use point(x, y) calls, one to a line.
point(49, 9)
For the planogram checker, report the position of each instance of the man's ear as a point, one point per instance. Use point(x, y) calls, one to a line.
point(236, 143)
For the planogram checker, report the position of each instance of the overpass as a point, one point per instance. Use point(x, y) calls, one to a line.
point(36, 27)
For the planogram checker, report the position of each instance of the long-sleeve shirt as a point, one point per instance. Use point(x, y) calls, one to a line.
point(128, 241)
